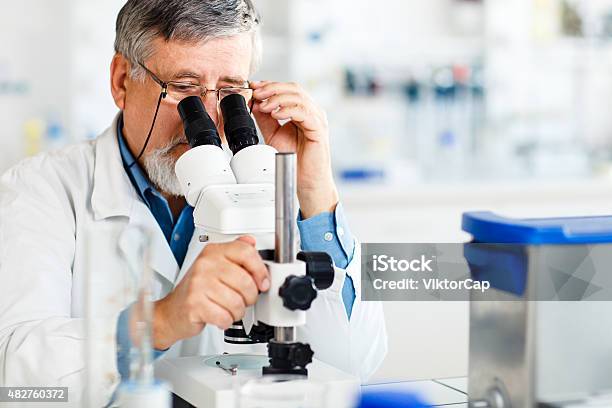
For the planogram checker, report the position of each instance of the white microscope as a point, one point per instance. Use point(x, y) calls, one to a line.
point(253, 193)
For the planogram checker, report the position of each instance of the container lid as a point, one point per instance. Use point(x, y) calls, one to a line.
point(488, 227)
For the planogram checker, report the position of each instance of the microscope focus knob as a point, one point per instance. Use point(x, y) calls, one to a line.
point(320, 267)
point(301, 355)
point(297, 292)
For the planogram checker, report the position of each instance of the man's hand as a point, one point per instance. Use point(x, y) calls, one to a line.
point(306, 134)
point(222, 282)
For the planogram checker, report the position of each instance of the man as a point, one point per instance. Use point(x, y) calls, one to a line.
point(54, 205)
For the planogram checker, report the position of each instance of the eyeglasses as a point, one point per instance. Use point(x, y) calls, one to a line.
point(178, 90)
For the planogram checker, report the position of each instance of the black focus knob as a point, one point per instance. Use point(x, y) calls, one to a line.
point(288, 358)
point(301, 355)
point(297, 292)
point(320, 267)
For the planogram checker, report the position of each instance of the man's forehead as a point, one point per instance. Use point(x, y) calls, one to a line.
point(225, 59)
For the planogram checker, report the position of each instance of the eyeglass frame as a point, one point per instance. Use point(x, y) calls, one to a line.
point(164, 93)
point(164, 86)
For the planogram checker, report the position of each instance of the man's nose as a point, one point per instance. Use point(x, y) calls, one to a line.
point(210, 103)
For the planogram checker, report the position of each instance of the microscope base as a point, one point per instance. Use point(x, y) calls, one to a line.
point(205, 386)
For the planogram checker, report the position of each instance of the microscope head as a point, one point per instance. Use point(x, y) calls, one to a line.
point(253, 163)
point(205, 164)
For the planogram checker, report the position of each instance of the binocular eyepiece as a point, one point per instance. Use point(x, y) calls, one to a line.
point(239, 126)
point(199, 127)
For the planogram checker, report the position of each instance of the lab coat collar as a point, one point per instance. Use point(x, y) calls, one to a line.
point(112, 193)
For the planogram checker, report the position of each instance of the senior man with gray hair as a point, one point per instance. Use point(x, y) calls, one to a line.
point(49, 204)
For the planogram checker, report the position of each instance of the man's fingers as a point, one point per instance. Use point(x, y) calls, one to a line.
point(228, 299)
point(295, 113)
point(247, 256)
point(217, 315)
point(274, 88)
point(300, 118)
point(249, 239)
point(267, 124)
point(286, 99)
point(258, 84)
point(242, 282)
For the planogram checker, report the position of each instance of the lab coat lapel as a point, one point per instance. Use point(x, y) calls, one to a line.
point(160, 255)
point(113, 195)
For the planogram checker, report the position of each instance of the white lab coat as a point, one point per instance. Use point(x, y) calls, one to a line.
point(48, 205)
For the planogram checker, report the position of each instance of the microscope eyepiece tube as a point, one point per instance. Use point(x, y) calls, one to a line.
point(285, 250)
point(239, 126)
point(199, 127)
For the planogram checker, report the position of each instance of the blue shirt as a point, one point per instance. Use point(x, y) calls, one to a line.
point(326, 232)
point(177, 232)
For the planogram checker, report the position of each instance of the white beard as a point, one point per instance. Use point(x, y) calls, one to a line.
point(159, 166)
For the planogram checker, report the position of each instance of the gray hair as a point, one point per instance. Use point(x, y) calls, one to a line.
point(141, 21)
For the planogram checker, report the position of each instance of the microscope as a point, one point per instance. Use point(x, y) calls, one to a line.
point(252, 193)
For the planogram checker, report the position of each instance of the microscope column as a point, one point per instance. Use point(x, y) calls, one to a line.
point(285, 250)
point(287, 355)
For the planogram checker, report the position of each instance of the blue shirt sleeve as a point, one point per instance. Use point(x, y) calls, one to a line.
point(124, 344)
point(329, 232)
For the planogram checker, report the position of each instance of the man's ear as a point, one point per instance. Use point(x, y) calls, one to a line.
point(120, 68)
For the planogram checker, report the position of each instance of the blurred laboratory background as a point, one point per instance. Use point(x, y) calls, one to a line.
point(435, 107)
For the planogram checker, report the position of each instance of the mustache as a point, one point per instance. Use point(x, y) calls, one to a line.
point(180, 139)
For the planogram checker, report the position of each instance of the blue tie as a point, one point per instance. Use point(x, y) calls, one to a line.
point(348, 295)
